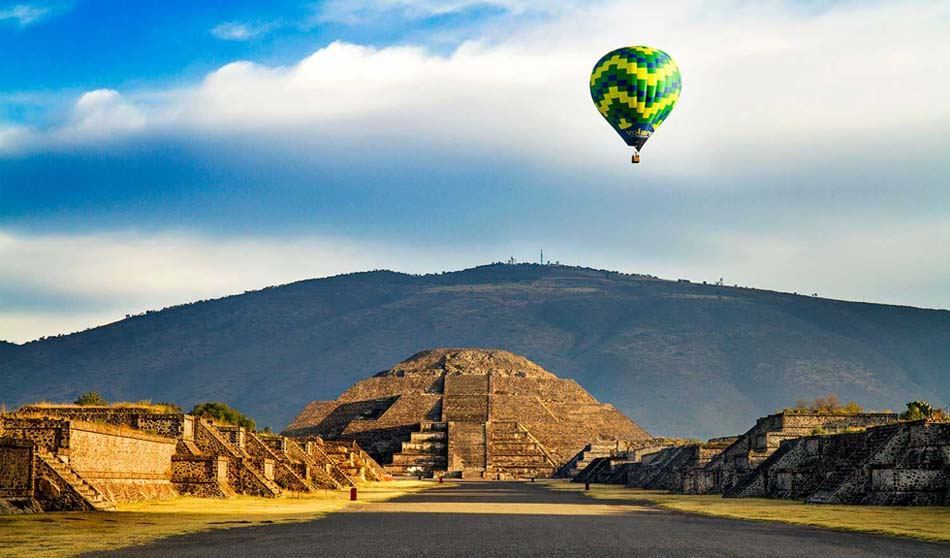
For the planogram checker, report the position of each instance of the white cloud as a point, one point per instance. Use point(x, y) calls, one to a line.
point(24, 14)
point(765, 86)
point(103, 113)
point(242, 31)
point(20, 327)
point(126, 272)
point(881, 262)
point(14, 138)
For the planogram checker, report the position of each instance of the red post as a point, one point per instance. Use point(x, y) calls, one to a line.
point(586, 486)
point(353, 494)
point(440, 480)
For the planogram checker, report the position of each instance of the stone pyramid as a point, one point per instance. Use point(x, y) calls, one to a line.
point(476, 412)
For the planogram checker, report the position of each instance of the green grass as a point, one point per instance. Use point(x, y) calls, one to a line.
point(53, 535)
point(919, 522)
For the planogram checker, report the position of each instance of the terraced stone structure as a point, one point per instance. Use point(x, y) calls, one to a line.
point(666, 469)
point(732, 465)
point(906, 463)
point(477, 413)
point(614, 468)
point(68, 457)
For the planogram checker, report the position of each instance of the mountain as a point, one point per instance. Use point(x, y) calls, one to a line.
point(680, 358)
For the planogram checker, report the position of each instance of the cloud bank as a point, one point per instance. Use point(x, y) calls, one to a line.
point(808, 154)
point(765, 83)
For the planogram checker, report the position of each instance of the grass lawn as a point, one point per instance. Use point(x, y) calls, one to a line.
point(69, 533)
point(927, 523)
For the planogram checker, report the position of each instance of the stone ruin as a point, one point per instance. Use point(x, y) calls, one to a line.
point(600, 464)
point(473, 413)
point(68, 457)
point(907, 463)
point(863, 458)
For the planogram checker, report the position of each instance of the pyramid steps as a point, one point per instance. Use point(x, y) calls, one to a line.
point(91, 497)
point(425, 453)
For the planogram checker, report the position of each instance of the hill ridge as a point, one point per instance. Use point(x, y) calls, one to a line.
point(679, 358)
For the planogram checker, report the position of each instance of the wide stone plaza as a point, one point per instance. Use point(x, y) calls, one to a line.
point(503, 519)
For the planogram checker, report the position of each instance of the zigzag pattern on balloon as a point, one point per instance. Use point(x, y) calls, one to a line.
point(635, 89)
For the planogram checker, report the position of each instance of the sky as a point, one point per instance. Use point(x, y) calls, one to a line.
point(155, 153)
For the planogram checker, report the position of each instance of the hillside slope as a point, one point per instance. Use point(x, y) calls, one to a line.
point(679, 358)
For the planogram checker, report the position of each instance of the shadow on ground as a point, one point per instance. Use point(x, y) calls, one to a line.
point(503, 519)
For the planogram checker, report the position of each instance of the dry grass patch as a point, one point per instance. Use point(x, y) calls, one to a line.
point(51, 535)
point(919, 522)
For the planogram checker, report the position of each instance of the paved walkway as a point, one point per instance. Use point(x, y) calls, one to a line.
point(507, 519)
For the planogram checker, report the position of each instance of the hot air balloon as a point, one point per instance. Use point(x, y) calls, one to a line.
point(635, 88)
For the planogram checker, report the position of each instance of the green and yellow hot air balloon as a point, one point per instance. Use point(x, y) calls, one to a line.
point(635, 88)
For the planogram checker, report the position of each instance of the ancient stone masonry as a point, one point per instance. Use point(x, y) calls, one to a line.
point(88, 458)
point(16, 468)
point(666, 469)
point(84, 465)
point(870, 458)
point(612, 467)
point(728, 468)
point(905, 464)
point(469, 412)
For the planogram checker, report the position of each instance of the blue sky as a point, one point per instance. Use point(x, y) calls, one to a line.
point(153, 153)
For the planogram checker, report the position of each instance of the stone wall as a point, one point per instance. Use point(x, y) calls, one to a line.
point(201, 475)
point(122, 463)
point(134, 454)
point(117, 415)
point(16, 468)
point(906, 463)
point(51, 434)
point(728, 469)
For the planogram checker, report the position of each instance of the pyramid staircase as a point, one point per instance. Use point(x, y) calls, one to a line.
point(317, 470)
point(91, 497)
point(515, 454)
point(599, 469)
point(425, 453)
point(242, 470)
point(836, 485)
point(323, 454)
point(744, 487)
point(584, 458)
point(285, 474)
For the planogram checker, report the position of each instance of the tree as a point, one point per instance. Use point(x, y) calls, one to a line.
point(917, 410)
point(222, 412)
point(91, 398)
point(827, 405)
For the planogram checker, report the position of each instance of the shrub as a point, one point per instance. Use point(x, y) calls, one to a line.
point(917, 410)
point(827, 405)
point(169, 408)
point(91, 398)
point(222, 412)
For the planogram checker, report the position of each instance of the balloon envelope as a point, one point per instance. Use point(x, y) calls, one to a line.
point(635, 88)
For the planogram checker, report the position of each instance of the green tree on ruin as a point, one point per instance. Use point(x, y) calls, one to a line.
point(917, 410)
point(222, 412)
point(827, 405)
point(91, 398)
